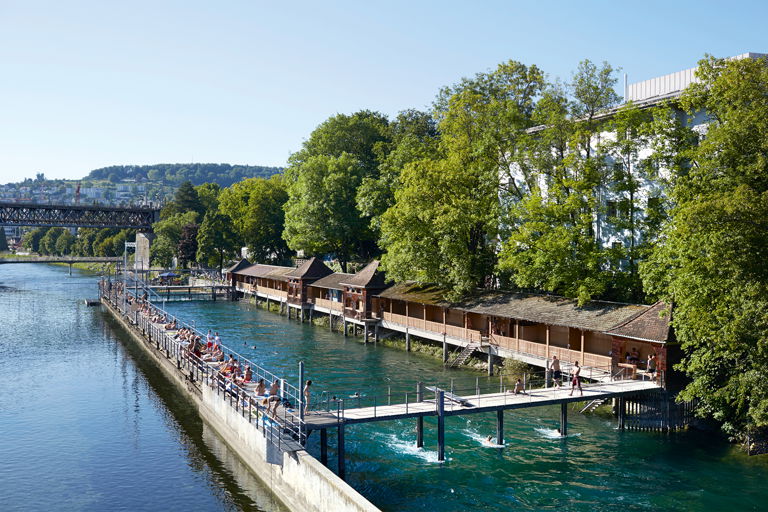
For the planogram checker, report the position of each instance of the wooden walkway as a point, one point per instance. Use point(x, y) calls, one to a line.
point(483, 403)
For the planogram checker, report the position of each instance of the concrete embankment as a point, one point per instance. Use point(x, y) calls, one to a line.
point(296, 478)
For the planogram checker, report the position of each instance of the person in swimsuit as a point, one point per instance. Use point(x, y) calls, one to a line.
point(261, 388)
point(575, 382)
point(306, 396)
point(274, 398)
point(556, 373)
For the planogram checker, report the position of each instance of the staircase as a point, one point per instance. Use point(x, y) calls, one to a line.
point(594, 404)
point(464, 355)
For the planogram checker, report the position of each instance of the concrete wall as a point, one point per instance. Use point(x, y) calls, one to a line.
point(301, 483)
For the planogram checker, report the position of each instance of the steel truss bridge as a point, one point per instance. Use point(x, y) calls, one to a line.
point(52, 215)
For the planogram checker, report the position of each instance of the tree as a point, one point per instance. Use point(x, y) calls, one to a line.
point(186, 250)
point(64, 243)
point(215, 239)
point(3, 240)
point(31, 239)
point(444, 224)
point(48, 241)
point(320, 214)
point(185, 200)
point(414, 137)
point(168, 231)
point(710, 260)
point(552, 243)
point(208, 193)
point(255, 209)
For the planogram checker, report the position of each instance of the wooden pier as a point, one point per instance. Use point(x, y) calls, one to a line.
point(171, 293)
point(444, 403)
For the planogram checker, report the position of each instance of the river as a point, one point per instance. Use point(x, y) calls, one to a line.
point(89, 424)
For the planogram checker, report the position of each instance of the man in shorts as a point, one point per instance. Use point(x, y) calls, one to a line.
point(556, 373)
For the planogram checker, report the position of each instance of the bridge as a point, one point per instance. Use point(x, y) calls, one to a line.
point(69, 260)
point(52, 215)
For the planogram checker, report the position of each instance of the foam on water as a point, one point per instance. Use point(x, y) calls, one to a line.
point(409, 448)
point(483, 440)
point(553, 433)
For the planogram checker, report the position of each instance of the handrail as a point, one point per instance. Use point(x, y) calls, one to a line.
point(199, 369)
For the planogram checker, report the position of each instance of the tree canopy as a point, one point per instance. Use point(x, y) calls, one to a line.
point(710, 260)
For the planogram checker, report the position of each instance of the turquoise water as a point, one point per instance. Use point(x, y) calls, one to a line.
point(88, 424)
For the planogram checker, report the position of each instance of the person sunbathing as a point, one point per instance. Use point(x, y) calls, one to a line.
point(261, 388)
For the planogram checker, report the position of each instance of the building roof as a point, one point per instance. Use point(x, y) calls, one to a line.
point(270, 271)
point(313, 268)
point(369, 277)
point(649, 325)
point(332, 281)
point(243, 263)
point(548, 309)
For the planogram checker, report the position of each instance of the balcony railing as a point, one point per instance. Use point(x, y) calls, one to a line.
point(453, 331)
point(330, 305)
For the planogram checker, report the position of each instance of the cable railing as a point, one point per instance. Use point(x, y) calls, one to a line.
point(461, 394)
point(277, 427)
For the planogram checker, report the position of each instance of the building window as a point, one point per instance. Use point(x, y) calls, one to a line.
point(611, 209)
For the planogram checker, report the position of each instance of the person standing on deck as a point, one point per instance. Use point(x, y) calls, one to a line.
point(575, 382)
point(306, 396)
point(556, 373)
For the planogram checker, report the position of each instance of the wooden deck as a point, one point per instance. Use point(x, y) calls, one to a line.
point(477, 404)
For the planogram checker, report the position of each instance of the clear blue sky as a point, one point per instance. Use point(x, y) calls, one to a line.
point(89, 84)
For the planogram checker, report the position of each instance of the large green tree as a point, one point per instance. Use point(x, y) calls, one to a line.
point(321, 215)
point(168, 233)
point(710, 261)
point(215, 239)
point(443, 226)
point(31, 239)
point(551, 242)
point(255, 209)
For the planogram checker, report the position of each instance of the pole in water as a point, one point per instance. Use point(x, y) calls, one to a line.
point(563, 419)
point(324, 446)
point(420, 419)
point(340, 450)
point(500, 427)
point(440, 426)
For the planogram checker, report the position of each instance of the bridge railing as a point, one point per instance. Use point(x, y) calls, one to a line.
point(277, 429)
point(478, 392)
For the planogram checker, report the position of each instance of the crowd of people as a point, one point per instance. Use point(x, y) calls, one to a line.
point(228, 373)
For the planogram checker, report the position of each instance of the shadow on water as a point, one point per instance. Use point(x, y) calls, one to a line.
point(230, 478)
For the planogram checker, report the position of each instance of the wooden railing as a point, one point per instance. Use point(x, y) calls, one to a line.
point(539, 349)
point(331, 305)
point(453, 331)
point(244, 287)
point(272, 292)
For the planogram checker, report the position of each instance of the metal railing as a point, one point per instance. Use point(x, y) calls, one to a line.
point(197, 370)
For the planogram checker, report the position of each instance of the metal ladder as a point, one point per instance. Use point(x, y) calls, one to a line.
point(464, 355)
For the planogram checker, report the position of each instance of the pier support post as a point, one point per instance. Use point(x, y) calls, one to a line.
point(330, 322)
point(445, 350)
point(490, 362)
point(420, 419)
point(440, 426)
point(407, 341)
point(344, 325)
point(340, 450)
point(324, 446)
point(622, 411)
point(563, 419)
point(302, 399)
point(500, 427)
point(365, 332)
point(376, 334)
point(70, 269)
